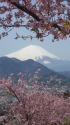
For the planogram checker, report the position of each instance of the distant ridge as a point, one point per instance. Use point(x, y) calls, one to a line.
point(28, 68)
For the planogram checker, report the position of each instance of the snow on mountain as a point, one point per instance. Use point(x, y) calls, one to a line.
point(33, 52)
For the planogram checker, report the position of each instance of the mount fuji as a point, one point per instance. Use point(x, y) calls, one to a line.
point(32, 52)
point(42, 56)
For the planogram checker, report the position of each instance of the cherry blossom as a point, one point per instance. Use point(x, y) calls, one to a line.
point(44, 17)
point(27, 104)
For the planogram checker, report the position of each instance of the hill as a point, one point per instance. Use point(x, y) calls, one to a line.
point(29, 68)
point(66, 74)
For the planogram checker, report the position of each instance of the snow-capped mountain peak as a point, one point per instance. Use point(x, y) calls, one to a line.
point(32, 52)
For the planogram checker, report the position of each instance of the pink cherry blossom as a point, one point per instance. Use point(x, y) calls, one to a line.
point(32, 106)
point(39, 16)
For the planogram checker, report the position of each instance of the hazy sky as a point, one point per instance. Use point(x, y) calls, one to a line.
point(59, 48)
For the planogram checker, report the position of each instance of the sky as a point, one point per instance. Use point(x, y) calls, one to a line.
point(9, 44)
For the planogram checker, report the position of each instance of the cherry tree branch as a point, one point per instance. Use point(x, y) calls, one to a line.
point(12, 25)
point(13, 92)
point(24, 9)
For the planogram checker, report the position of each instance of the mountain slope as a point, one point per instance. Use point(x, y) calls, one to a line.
point(29, 68)
point(60, 66)
point(66, 74)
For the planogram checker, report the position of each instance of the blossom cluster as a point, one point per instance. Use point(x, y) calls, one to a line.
point(29, 105)
point(41, 16)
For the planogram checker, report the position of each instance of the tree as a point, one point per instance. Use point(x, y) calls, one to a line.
point(31, 106)
point(43, 17)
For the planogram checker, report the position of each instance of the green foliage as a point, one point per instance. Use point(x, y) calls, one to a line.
point(67, 122)
point(66, 94)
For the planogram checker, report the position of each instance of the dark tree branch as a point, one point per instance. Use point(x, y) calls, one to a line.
point(13, 92)
point(11, 25)
point(56, 26)
point(24, 9)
